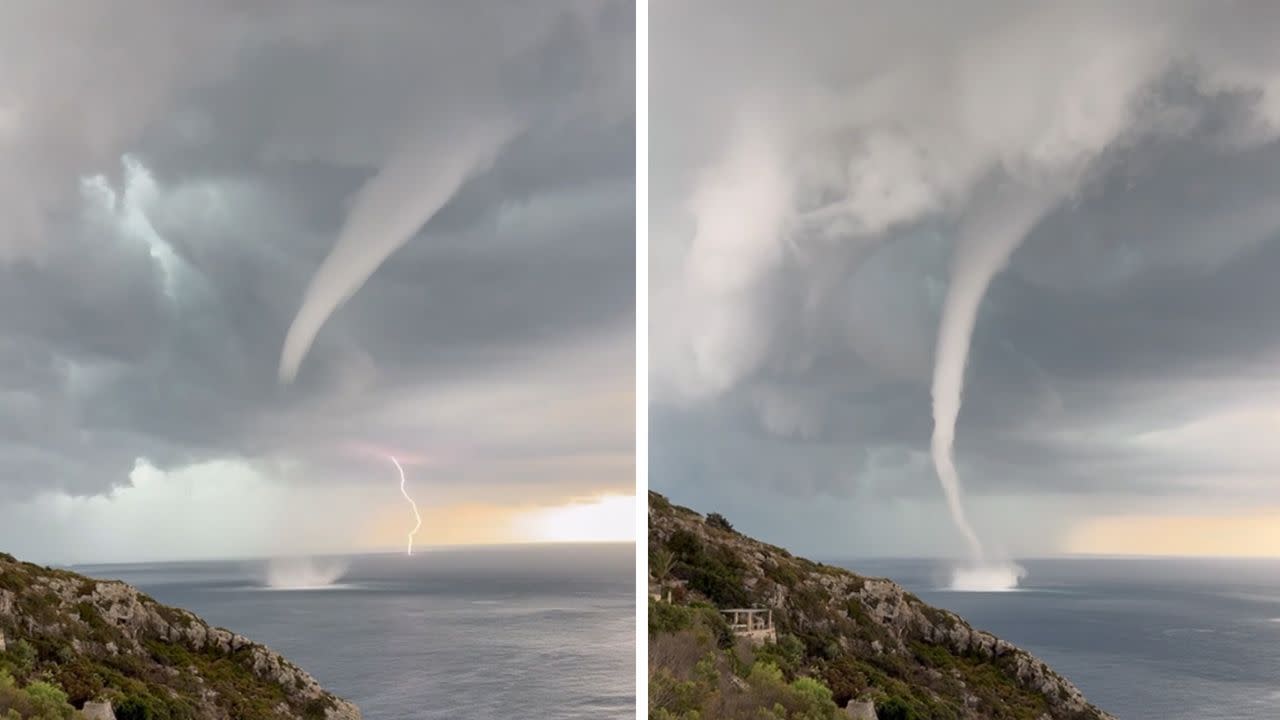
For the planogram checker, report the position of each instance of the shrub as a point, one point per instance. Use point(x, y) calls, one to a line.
point(720, 584)
point(894, 709)
point(814, 698)
point(135, 708)
point(716, 520)
point(670, 697)
point(685, 545)
point(38, 701)
point(49, 701)
point(715, 572)
point(787, 653)
point(24, 656)
point(768, 673)
point(669, 618)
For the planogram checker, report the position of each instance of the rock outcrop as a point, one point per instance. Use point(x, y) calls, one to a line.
point(103, 641)
point(97, 710)
point(864, 636)
point(861, 710)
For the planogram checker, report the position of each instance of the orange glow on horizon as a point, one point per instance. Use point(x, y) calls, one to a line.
point(1252, 534)
point(608, 518)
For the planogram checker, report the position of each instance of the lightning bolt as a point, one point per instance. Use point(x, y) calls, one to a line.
point(416, 517)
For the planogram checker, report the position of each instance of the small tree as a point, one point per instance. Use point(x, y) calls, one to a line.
point(716, 520)
point(661, 563)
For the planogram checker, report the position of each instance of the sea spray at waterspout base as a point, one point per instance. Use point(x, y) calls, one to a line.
point(990, 577)
point(304, 573)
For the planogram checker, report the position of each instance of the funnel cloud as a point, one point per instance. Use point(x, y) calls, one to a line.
point(986, 240)
point(413, 184)
point(1059, 219)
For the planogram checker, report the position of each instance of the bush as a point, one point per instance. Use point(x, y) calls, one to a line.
point(715, 572)
point(49, 701)
point(894, 709)
point(787, 653)
point(685, 545)
point(814, 698)
point(716, 520)
point(804, 699)
point(135, 708)
point(670, 697)
point(669, 618)
point(24, 657)
point(38, 701)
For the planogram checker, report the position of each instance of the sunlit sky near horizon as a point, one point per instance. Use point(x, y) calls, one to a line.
point(188, 516)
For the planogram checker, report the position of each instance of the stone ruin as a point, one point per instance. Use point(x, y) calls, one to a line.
point(755, 624)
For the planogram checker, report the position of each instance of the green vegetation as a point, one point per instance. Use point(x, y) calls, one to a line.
point(710, 570)
point(695, 675)
point(37, 700)
point(718, 521)
point(661, 564)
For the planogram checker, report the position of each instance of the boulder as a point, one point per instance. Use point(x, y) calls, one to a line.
point(861, 710)
point(98, 711)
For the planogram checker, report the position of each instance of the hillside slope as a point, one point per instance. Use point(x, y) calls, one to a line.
point(95, 640)
point(865, 639)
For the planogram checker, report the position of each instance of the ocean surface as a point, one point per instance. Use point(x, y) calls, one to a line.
point(544, 631)
point(1144, 639)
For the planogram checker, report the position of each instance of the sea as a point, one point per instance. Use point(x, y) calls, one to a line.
point(537, 631)
point(1143, 638)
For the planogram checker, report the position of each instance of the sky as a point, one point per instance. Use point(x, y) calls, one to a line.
point(833, 184)
point(433, 202)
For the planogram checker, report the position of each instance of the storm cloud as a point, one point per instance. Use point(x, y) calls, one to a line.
point(814, 168)
point(174, 174)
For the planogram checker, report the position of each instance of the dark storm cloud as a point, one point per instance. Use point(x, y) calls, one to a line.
point(176, 223)
point(803, 241)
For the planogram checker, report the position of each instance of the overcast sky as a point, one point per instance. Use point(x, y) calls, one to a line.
point(813, 166)
point(174, 174)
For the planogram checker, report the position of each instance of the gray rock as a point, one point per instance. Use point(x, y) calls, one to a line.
point(135, 619)
point(861, 710)
point(98, 711)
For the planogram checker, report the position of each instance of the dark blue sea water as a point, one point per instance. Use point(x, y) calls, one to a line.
point(515, 632)
point(1145, 639)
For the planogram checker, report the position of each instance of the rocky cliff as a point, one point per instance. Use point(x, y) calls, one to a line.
point(99, 640)
point(873, 645)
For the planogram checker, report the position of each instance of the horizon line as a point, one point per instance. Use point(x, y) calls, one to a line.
point(328, 554)
point(1061, 556)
